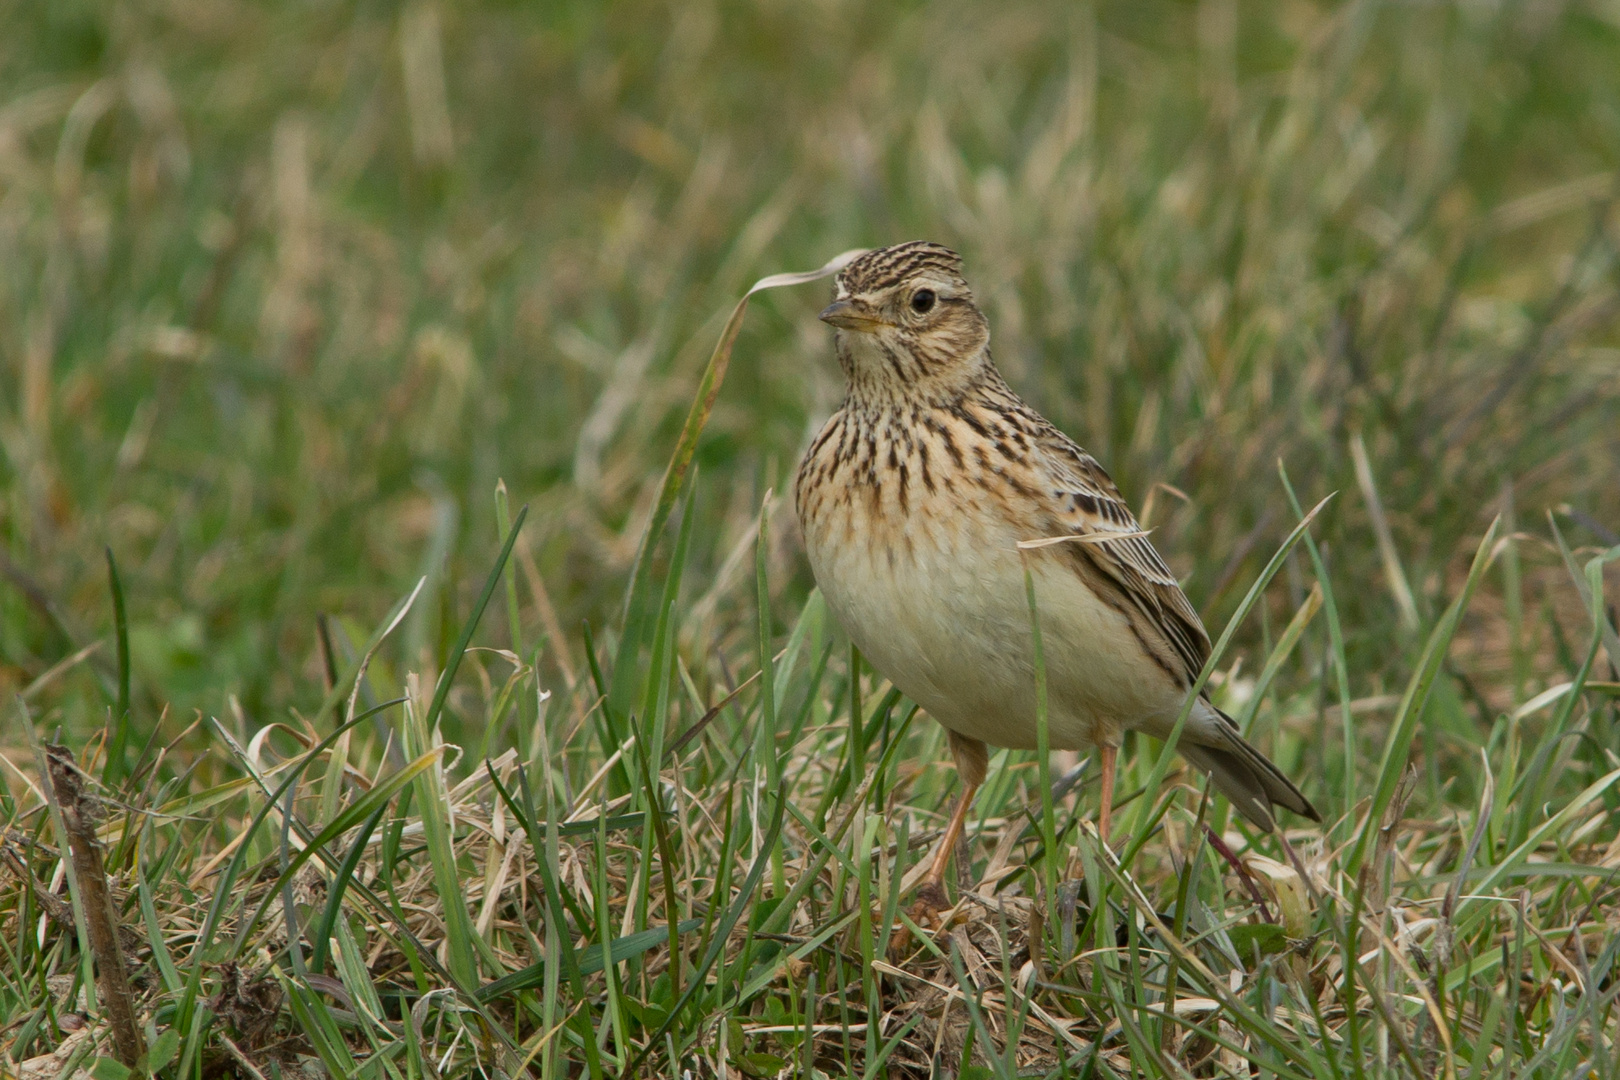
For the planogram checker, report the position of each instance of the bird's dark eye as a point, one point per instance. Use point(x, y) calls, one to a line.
point(922, 301)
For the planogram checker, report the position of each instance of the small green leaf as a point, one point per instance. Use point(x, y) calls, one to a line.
point(106, 1068)
point(775, 1012)
point(647, 1014)
point(758, 1064)
point(1269, 938)
point(763, 910)
point(163, 1050)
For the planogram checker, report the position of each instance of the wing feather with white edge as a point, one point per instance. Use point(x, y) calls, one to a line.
point(1090, 507)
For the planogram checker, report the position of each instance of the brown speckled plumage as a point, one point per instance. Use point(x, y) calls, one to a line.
point(913, 500)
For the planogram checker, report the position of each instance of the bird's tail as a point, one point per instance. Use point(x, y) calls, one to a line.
point(1242, 773)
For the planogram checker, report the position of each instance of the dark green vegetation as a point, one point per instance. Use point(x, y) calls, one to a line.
point(285, 291)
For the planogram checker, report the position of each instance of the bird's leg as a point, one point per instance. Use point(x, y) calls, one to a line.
point(971, 758)
point(947, 844)
point(931, 898)
point(1106, 813)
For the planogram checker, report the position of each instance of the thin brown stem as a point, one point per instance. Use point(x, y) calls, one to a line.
point(79, 814)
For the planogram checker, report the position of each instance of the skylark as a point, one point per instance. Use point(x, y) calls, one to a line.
point(913, 500)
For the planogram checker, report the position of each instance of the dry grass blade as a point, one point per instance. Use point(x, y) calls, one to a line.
point(1394, 573)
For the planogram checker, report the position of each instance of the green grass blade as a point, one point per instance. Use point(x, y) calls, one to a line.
point(453, 661)
point(593, 958)
point(1161, 764)
point(625, 688)
point(322, 930)
point(514, 619)
point(722, 933)
point(1043, 753)
point(1410, 711)
point(638, 592)
point(1341, 669)
point(315, 1021)
point(113, 774)
point(667, 868)
point(367, 805)
point(224, 894)
point(172, 980)
point(660, 673)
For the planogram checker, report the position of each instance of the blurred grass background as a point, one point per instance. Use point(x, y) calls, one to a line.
point(285, 288)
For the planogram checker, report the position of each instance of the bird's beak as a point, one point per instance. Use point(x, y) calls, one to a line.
point(848, 315)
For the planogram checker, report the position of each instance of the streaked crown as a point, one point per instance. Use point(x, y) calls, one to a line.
point(884, 268)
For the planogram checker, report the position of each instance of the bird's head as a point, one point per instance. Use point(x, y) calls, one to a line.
point(907, 322)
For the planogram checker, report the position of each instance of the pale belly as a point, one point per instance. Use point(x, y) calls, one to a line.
point(943, 613)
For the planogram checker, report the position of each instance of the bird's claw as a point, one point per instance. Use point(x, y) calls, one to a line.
point(929, 903)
